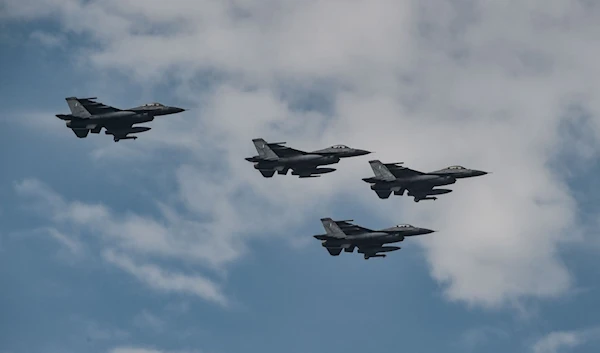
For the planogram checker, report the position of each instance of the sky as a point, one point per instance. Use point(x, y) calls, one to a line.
point(173, 243)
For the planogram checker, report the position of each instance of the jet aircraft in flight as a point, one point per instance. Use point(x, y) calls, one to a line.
point(90, 116)
point(274, 157)
point(392, 177)
point(343, 235)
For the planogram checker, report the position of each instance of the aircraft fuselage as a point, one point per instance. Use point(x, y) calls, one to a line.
point(309, 160)
point(417, 182)
point(124, 117)
point(365, 239)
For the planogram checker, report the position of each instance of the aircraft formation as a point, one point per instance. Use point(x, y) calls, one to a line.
point(88, 115)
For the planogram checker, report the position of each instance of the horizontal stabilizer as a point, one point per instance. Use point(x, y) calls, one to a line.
point(67, 117)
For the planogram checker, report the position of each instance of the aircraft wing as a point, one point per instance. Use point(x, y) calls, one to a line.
point(96, 108)
point(352, 229)
point(284, 151)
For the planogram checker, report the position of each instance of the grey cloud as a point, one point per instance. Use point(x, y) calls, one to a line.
point(457, 84)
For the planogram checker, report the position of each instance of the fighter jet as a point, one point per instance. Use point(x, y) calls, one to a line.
point(88, 115)
point(394, 177)
point(343, 235)
point(274, 157)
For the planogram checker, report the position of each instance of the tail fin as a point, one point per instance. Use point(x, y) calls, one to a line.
point(77, 109)
point(381, 171)
point(263, 149)
point(332, 229)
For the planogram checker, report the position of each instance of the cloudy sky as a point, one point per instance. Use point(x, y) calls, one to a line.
point(173, 243)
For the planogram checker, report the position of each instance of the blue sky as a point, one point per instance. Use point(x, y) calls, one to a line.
point(173, 243)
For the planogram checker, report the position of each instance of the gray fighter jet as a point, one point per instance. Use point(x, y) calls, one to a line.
point(343, 235)
point(274, 157)
point(90, 116)
point(393, 177)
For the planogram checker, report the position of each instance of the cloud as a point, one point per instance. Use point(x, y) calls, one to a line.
point(429, 85)
point(95, 331)
point(132, 233)
point(146, 319)
point(160, 279)
point(47, 39)
point(563, 341)
point(73, 245)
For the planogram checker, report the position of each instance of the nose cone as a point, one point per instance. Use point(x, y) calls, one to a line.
point(478, 173)
point(177, 110)
point(425, 231)
point(358, 152)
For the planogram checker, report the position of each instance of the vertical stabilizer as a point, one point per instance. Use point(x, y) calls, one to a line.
point(77, 109)
point(381, 171)
point(264, 151)
point(332, 229)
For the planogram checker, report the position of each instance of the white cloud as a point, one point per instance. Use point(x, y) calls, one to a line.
point(160, 279)
point(132, 233)
point(47, 39)
point(146, 319)
point(564, 341)
point(73, 245)
point(98, 332)
point(431, 85)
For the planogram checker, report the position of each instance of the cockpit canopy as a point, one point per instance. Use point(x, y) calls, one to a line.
point(153, 105)
point(456, 167)
point(339, 146)
point(404, 226)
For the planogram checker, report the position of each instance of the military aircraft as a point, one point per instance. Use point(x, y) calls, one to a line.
point(392, 177)
point(274, 157)
point(343, 235)
point(88, 115)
